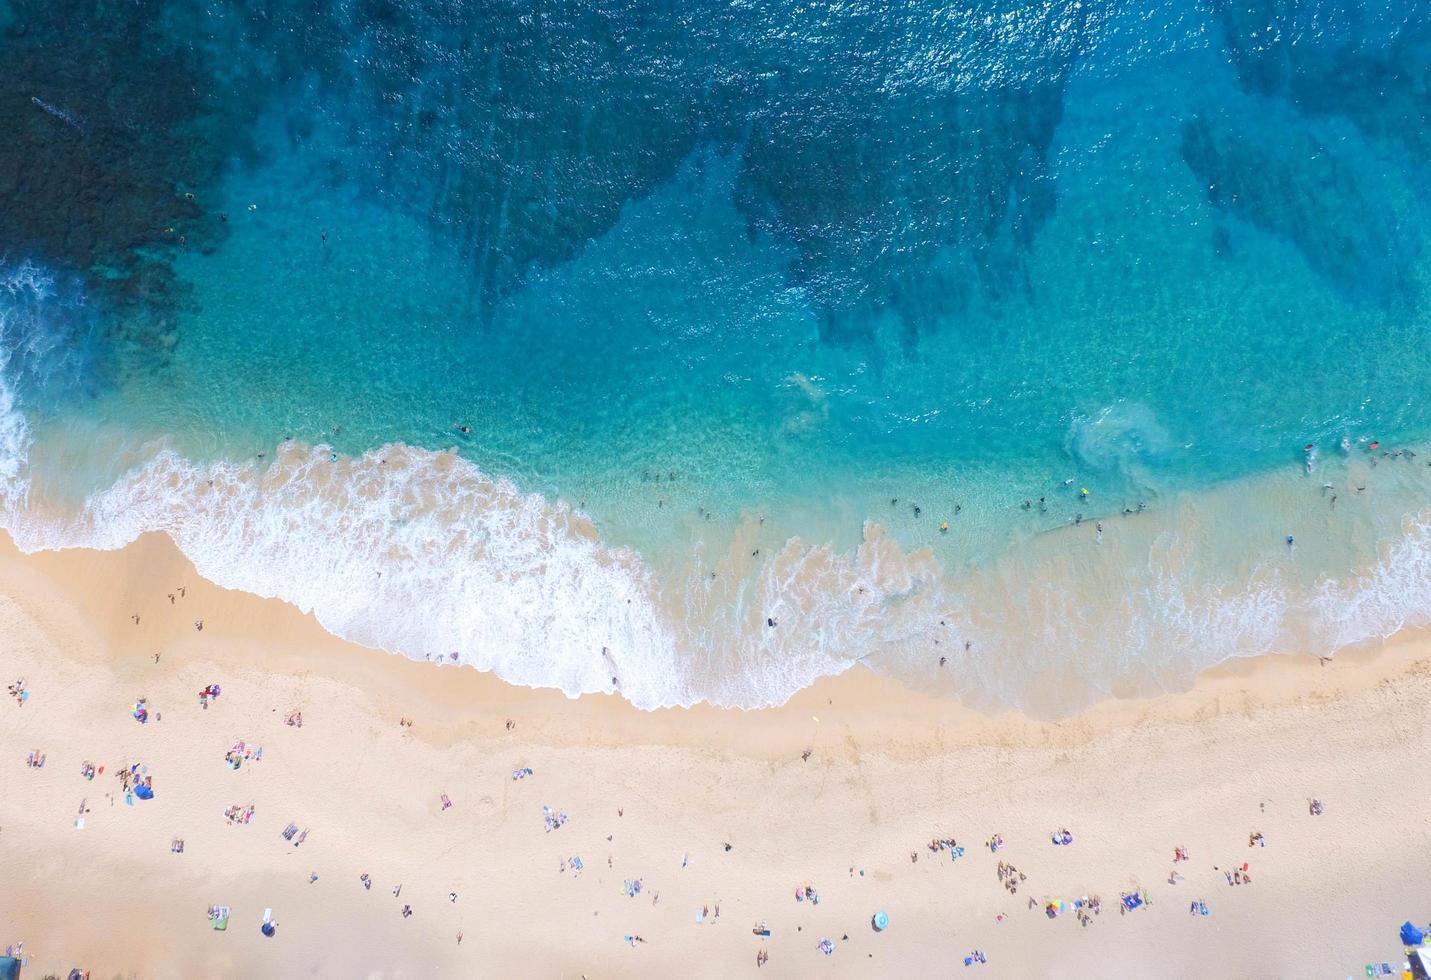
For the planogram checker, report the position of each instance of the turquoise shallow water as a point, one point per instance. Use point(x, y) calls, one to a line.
point(738, 306)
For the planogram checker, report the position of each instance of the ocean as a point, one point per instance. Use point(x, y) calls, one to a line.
point(1029, 353)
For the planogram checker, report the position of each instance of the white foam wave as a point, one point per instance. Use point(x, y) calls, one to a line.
point(405, 550)
point(22, 287)
point(1394, 594)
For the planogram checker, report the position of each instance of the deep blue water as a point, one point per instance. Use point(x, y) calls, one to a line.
point(737, 281)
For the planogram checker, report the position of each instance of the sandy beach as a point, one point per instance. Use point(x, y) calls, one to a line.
point(718, 815)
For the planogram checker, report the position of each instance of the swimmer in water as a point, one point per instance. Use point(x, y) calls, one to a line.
point(466, 430)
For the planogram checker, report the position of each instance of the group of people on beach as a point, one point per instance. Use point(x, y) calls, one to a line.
point(239, 813)
point(240, 751)
point(1010, 877)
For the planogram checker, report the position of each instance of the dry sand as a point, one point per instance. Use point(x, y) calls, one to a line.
point(889, 771)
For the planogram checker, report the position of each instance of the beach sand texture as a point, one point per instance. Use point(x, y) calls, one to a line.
point(888, 771)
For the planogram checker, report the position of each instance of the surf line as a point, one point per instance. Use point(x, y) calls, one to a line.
point(59, 114)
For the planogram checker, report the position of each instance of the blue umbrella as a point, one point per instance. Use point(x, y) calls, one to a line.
point(880, 922)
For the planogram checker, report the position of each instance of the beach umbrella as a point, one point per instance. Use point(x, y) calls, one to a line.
point(880, 922)
point(268, 928)
point(1410, 935)
point(143, 792)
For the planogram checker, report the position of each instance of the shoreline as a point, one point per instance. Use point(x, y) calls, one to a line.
point(1279, 678)
point(889, 769)
point(490, 571)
